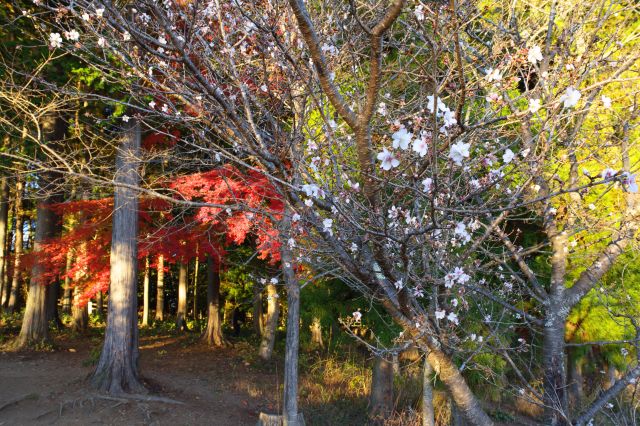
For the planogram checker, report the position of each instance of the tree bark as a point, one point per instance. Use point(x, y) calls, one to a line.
point(160, 290)
point(258, 317)
point(145, 297)
point(381, 398)
point(17, 253)
point(79, 313)
point(576, 391)
point(181, 316)
point(4, 226)
point(195, 287)
point(316, 332)
point(269, 336)
point(68, 290)
point(53, 294)
point(117, 370)
point(291, 416)
point(428, 413)
point(213, 333)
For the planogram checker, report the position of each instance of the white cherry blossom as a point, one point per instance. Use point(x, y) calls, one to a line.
point(421, 146)
point(72, 35)
point(535, 55)
point(327, 225)
point(606, 102)
point(508, 156)
point(388, 159)
point(534, 105)
point(440, 314)
point(55, 40)
point(401, 138)
point(426, 184)
point(459, 151)
point(570, 97)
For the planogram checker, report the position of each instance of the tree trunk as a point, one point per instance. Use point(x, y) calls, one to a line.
point(576, 391)
point(258, 317)
point(53, 294)
point(17, 253)
point(145, 297)
point(464, 399)
point(195, 288)
point(316, 332)
point(291, 416)
point(4, 226)
point(79, 313)
point(68, 290)
point(100, 304)
point(35, 323)
point(117, 370)
point(181, 317)
point(428, 413)
point(213, 333)
point(160, 290)
point(554, 378)
point(269, 336)
point(381, 398)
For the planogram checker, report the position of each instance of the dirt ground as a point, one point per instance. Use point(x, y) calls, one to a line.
point(215, 386)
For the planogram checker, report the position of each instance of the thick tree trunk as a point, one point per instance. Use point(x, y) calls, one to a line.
point(316, 332)
point(291, 416)
point(160, 290)
point(213, 333)
point(53, 294)
point(145, 296)
point(68, 290)
point(4, 226)
point(258, 317)
point(428, 413)
point(117, 370)
point(269, 336)
point(575, 360)
point(79, 313)
point(181, 317)
point(381, 398)
point(555, 377)
point(17, 253)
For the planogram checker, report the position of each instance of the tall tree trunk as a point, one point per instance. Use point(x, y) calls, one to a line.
point(79, 313)
point(17, 253)
point(145, 296)
point(4, 226)
point(269, 336)
point(316, 332)
point(100, 304)
point(213, 333)
point(117, 370)
point(68, 290)
point(53, 294)
point(554, 382)
point(428, 413)
point(160, 290)
point(291, 416)
point(195, 287)
point(575, 360)
point(181, 316)
point(381, 398)
point(258, 317)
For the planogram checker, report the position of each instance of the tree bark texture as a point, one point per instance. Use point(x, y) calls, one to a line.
point(18, 246)
point(145, 296)
point(117, 370)
point(381, 398)
point(4, 226)
point(428, 413)
point(195, 287)
point(258, 317)
point(181, 316)
point(68, 290)
point(269, 336)
point(213, 333)
point(160, 290)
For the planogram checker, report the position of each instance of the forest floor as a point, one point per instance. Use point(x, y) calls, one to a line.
point(216, 386)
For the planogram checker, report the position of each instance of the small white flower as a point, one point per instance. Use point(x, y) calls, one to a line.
point(99, 12)
point(308, 202)
point(421, 146)
point(72, 35)
point(86, 17)
point(274, 281)
point(264, 88)
point(449, 118)
point(440, 314)
point(388, 159)
point(459, 151)
point(102, 42)
point(419, 12)
point(570, 97)
point(353, 248)
point(426, 183)
point(534, 105)
point(125, 118)
point(493, 75)
point(357, 316)
point(453, 318)
point(126, 36)
point(535, 55)
point(152, 104)
point(382, 109)
point(327, 224)
point(508, 156)
point(606, 102)
point(398, 285)
point(401, 138)
point(295, 217)
point(162, 40)
point(55, 40)
point(608, 173)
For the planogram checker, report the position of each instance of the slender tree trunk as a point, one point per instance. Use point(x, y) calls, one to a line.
point(53, 294)
point(79, 313)
point(181, 317)
point(291, 415)
point(213, 333)
point(258, 317)
point(195, 288)
point(68, 290)
point(17, 253)
point(145, 297)
point(576, 392)
point(316, 332)
point(381, 398)
point(160, 290)
point(4, 226)
point(269, 336)
point(117, 370)
point(428, 413)
point(100, 304)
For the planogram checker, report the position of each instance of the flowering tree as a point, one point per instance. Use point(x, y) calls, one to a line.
point(408, 143)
